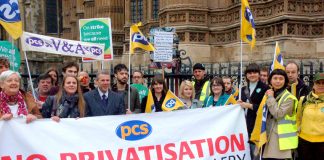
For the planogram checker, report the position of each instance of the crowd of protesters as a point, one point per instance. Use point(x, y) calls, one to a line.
point(295, 121)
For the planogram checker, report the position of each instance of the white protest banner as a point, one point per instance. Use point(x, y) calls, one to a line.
point(46, 44)
point(208, 133)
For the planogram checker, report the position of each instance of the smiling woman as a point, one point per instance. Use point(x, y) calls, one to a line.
point(310, 118)
point(15, 103)
point(281, 121)
point(217, 96)
point(158, 90)
point(67, 103)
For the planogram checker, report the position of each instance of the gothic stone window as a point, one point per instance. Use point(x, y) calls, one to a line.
point(52, 11)
point(155, 9)
point(136, 10)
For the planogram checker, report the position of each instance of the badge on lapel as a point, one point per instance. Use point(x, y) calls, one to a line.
point(258, 90)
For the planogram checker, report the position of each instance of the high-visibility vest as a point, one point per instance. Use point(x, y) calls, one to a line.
point(287, 127)
point(204, 92)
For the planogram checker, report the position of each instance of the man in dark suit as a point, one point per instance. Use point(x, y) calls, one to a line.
point(102, 101)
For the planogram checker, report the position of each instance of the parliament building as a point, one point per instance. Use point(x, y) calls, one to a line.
point(208, 30)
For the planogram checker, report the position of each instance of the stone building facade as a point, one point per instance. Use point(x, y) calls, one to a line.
point(209, 30)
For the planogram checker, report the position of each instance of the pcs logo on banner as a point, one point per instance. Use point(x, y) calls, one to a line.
point(134, 130)
point(139, 38)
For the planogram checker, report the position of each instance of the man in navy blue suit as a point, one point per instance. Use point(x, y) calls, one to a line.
point(102, 101)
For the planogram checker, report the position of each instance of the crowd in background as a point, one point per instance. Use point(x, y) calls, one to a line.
point(295, 121)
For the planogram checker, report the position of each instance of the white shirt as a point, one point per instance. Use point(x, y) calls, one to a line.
point(252, 87)
point(14, 110)
point(101, 93)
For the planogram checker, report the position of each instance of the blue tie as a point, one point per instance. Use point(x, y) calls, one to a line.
point(104, 100)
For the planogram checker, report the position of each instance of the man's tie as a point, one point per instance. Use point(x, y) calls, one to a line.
point(104, 100)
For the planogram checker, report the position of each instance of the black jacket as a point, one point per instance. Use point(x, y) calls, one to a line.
point(255, 99)
point(66, 108)
point(301, 89)
point(157, 104)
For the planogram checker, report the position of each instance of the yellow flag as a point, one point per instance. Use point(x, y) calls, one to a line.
point(247, 24)
point(138, 40)
point(150, 103)
point(231, 100)
point(10, 18)
point(171, 102)
point(236, 93)
point(277, 62)
point(259, 135)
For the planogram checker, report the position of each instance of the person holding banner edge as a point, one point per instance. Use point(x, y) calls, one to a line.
point(67, 103)
point(217, 96)
point(14, 102)
point(252, 95)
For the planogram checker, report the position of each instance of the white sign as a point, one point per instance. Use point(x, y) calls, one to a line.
point(208, 133)
point(46, 44)
point(163, 43)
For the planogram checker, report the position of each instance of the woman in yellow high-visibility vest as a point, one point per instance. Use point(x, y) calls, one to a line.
point(310, 120)
point(281, 120)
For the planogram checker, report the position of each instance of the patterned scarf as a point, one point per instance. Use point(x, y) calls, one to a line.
point(313, 98)
point(4, 107)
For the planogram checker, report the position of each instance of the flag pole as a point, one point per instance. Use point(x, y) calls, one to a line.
point(129, 57)
point(260, 158)
point(12, 54)
point(241, 60)
point(30, 79)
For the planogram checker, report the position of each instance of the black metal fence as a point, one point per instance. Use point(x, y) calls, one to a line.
point(184, 71)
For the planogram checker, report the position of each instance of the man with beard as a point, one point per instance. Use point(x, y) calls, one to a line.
point(121, 75)
point(201, 82)
point(45, 83)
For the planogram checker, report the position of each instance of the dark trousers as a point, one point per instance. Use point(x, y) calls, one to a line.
point(310, 151)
